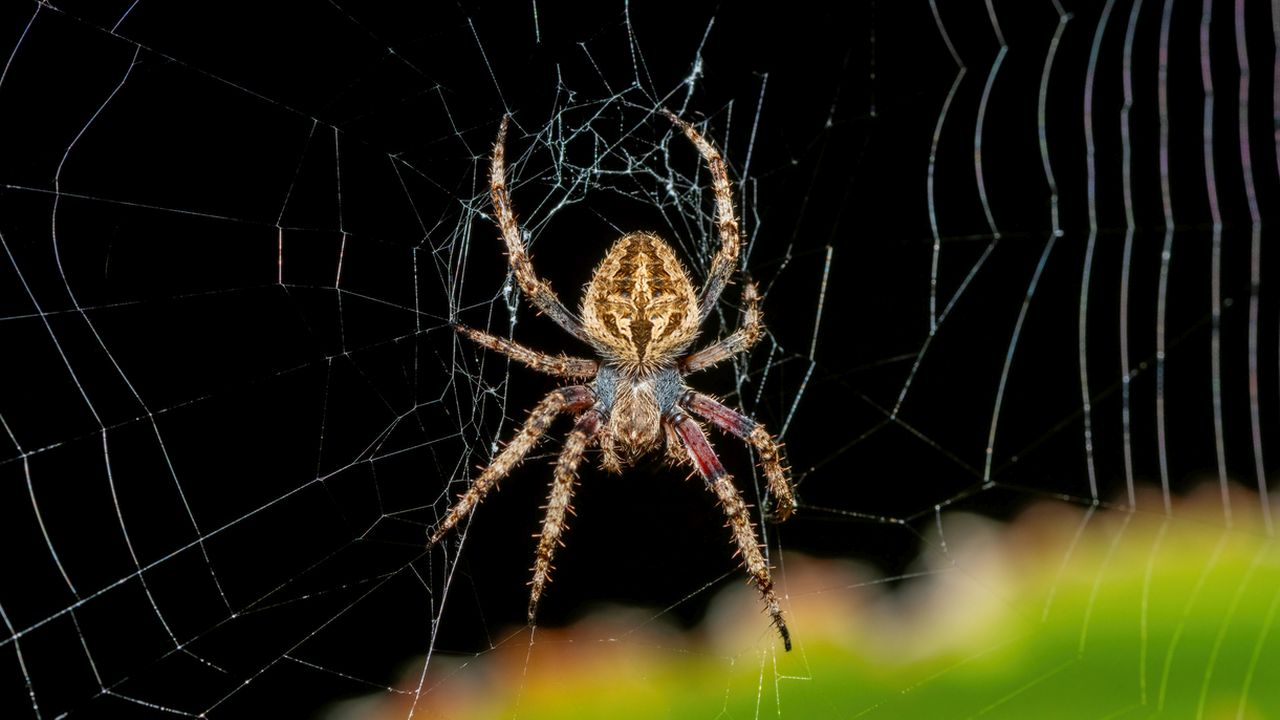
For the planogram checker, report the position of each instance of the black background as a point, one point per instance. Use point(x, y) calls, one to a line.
point(312, 431)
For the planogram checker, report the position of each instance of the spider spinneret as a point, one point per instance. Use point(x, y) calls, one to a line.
point(640, 314)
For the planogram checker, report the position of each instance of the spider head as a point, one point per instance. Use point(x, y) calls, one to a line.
point(640, 306)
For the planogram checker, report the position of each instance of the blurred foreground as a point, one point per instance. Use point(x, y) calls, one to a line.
point(1061, 613)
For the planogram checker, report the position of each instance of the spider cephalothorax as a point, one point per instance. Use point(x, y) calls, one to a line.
point(640, 314)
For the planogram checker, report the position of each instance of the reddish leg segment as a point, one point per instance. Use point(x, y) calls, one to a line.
point(744, 533)
point(732, 421)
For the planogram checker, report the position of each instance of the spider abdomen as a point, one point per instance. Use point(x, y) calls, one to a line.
point(640, 306)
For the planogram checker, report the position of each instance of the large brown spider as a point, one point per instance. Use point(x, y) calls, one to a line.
point(640, 315)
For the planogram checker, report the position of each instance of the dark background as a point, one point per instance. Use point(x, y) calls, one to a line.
point(178, 401)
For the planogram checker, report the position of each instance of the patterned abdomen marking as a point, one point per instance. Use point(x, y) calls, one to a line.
point(640, 304)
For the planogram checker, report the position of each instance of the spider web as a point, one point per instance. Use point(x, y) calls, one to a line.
point(1014, 269)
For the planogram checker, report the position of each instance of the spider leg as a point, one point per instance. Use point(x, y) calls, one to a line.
point(744, 534)
point(553, 525)
point(566, 399)
point(730, 420)
point(538, 290)
point(561, 365)
point(722, 264)
point(748, 334)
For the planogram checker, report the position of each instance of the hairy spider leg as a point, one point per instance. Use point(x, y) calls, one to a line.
point(580, 438)
point(744, 534)
point(536, 289)
point(558, 365)
point(724, 261)
point(770, 452)
point(750, 328)
point(574, 398)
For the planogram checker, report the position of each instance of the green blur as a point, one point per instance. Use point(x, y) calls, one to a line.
point(1140, 617)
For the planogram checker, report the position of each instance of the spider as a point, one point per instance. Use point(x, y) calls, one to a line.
point(640, 315)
